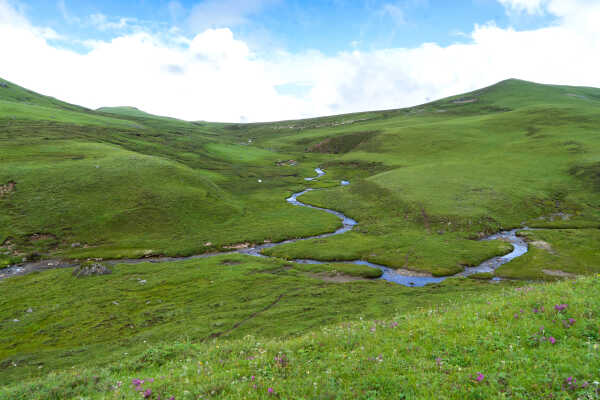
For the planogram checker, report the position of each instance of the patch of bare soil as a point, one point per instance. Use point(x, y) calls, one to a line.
point(540, 244)
point(36, 237)
point(7, 244)
point(230, 262)
point(7, 188)
point(9, 247)
point(558, 272)
point(408, 272)
point(237, 246)
point(556, 216)
point(464, 101)
point(288, 163)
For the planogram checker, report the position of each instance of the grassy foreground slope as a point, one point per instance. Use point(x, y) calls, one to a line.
point(52, 320)
point(531, 342)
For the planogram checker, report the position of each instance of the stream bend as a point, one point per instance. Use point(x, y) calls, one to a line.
point(402, 277)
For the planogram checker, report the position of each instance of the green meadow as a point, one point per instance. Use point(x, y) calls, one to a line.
point(426, 183)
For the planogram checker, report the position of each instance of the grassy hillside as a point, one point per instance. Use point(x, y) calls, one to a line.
point(128, 185)
point(502, 157)
point(531, 342)
point(425, 183)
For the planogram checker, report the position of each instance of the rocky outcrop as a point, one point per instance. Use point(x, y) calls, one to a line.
point(91, 269)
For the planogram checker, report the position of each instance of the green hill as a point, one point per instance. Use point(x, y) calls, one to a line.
point(425, 183)
point(130, 112)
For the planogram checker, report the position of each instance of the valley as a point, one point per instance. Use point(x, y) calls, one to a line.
point(226, 252)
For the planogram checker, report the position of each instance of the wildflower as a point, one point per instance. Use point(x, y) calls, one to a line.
point(147, 393)
point(571, 321)
point(560, 307)
point(516, 316)
point(270, 390)
point(552, 340)
point(480, 377)
point(150, 380)
point(136, 382)
point(252, 378)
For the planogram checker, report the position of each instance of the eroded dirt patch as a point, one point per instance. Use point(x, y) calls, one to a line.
point(230, 262)
point(36, 237)
point(464, 101)
point(408, 272)
point(342, 143)
point(540, 244)
point(8, 188)
point(560, 216)
point(559, 273)
point(9, 247)
point(237, 246)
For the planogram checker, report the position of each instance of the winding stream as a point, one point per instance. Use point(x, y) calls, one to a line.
point(402, 277)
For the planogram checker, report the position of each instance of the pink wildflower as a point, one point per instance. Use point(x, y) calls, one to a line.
point(560, 307)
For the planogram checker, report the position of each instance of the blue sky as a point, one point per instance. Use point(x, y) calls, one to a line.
point(264, 60)
point(295, 25)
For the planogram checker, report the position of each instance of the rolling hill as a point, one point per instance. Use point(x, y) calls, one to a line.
point(425, 183)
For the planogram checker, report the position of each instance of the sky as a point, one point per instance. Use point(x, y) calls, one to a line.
point(267, 60)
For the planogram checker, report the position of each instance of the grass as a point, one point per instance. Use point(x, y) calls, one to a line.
point(165, 186)
point(515, 343)
point(77, 320)
point(425, 183)
point(573, 251)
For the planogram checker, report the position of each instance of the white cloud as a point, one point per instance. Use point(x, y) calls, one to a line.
point(215, 76)
point(569, 10)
